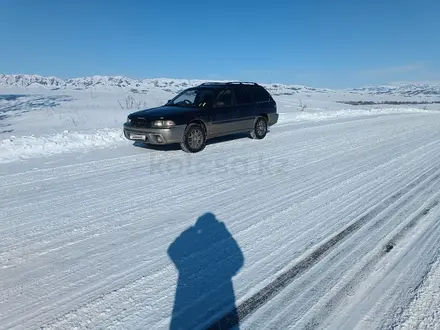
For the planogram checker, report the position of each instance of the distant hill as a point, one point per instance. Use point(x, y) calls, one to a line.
point(175, 85)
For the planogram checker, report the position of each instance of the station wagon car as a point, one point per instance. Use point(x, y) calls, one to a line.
point(204, 112)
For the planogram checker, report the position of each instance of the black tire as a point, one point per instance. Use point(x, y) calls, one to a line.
point(260, 129)
point(194, 139)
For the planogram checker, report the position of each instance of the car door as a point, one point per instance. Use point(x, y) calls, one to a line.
point(224, 114)
point(245, 107)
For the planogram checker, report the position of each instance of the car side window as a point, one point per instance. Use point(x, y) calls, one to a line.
point(224, 99)
point(189, 95)
point(243, 95)
point(260, 94)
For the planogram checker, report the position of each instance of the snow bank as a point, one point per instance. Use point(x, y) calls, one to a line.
point(318, 115)
point(16, 148)
point(424, 311)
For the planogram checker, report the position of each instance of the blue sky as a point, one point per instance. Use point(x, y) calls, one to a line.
point(322, 43)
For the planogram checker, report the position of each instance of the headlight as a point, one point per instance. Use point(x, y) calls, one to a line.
point(162, 123)
point(128, 120)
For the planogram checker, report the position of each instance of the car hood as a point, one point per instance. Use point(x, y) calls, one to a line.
point(163, 112)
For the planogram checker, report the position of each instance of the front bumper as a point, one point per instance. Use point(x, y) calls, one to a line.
point(155, 135)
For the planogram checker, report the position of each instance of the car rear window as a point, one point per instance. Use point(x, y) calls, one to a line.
point(260, 94)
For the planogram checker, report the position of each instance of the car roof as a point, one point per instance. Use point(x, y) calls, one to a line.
point(224, 84)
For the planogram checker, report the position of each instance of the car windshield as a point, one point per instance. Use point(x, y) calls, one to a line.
point(195, 97)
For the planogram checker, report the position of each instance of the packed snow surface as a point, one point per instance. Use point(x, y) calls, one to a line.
point(330, 222)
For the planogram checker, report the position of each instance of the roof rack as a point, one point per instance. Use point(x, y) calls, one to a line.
point(212, 83)
point(229, 83)
point(241, 83)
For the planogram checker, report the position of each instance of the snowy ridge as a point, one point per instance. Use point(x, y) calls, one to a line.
point(402, 89)
point(25, 80)
point(120, 82)
point(174, 85)
point(93, 82)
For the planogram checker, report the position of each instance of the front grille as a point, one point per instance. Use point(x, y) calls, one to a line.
point(139, 122)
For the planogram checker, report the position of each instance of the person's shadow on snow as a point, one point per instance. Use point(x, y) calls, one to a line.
point(206, 257)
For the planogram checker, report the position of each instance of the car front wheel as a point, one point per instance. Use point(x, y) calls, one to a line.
point(194, 139)
point(260, 129)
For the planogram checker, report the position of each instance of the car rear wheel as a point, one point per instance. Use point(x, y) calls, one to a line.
point(260, 129)
point(194, 139)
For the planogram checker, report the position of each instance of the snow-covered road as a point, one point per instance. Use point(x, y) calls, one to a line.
point(334, 224)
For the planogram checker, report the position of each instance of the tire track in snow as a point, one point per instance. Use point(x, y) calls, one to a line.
point(395, 279)
point(159, 199)
point(346, 260)
point(263, 296)
point(371, 187)
point(333, 303)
